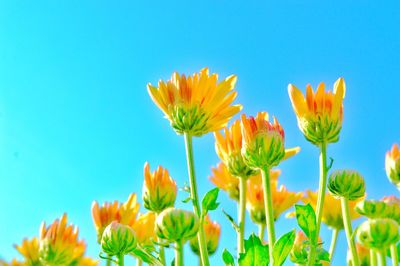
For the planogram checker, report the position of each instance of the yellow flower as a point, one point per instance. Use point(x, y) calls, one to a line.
point(59, 244)
point(196, 104)
point(124, 213)
point(332, 210)
point(14, 262)
point(29, 249)
point(222, 179)
point(392, 165)
point(282, 199)
point(144, 228)
point(263, 141)
point(213, 232)
point(319, 114)
point(159, 189)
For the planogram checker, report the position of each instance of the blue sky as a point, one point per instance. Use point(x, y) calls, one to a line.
point(76, 123)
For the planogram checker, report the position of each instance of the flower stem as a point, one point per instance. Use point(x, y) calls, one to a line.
point(161, 251)
point(323, 171)
point(179, 253)
point(120, 259)
point(242, 214)
point(139, 262)
point(394, 255)
point(382, 257)
point(268, 211)
point(195, 199)
point(261, 230)
point(108, 262)
point(335, 233)
point(349, 231)
point(372, 255)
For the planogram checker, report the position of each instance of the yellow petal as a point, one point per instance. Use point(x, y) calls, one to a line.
point(298, 102)
point(291, 152)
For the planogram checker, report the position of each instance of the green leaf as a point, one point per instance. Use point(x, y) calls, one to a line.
point(209, 202)
point(307, 220)
point(255, 252)
point(322, 254)
point(146, 257)
point(228, 258)
point(282, 247)
point(186, 200)
point(233, 223)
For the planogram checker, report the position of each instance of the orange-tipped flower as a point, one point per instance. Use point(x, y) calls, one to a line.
point(263, 141)
point(392, 165)
point(196, 104)
point(320, 113)
point(229, 150)
point(124, 213)
point(213, 233)
point(282, 199)
point(222, 179)
point(159, 189)
point(144, 229)
point(59, 243)
point(332, 210)
point(29, 249)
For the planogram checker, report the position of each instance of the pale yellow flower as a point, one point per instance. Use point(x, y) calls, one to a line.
point(144, 228)
point(222, 179)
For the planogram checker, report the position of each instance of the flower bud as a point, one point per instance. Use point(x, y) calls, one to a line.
point(378, 233)
point(118, 239)
point(393, 204)
point(213, 232)
point(176, 225)
point(372, 208)
point(392, 165)
point(159, 189)
point(263, 141)
point(363, 256)
point(347, 184)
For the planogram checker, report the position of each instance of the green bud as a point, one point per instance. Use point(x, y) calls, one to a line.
point(118, 239)
point(347, 184)
point(378, 233)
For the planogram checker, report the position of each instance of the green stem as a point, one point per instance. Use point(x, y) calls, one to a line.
point(261, 230)
point(323, 171)
point(394, 255)
point(335, 233)
point(242, 214)
point(120, 259)
point(382, 257)
point(374, 259)
point(349, 231)
point(195, 199)
point(139, 262)
point(268, 211)
point(161, 251)
point(179, 253)
point(108, 262)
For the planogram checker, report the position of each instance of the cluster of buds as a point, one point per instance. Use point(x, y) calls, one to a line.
point(347, 184)
point(213, 232)
point(392, 165)
point(118, 239)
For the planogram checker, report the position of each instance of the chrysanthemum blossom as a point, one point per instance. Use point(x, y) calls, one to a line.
point(319, 114)
point(196, 104)
point(392, 165)
point(29, 249)
point(225, 181)
point(144, 228)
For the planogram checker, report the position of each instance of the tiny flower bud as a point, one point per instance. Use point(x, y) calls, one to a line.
point(378, 233)
point(372, 208)
point(175, 225)
point(392, 165)
point(213, 232)
point(159, 189)
point(347, 184)
point(118, 239)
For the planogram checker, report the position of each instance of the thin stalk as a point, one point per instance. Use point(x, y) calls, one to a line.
point(323, 171)
point(120, 259)
point(179, 253)
point(268, 211)
point(349, 231)
point(139, 262)
point(195, 199)
point(374, 259)
point(335, 233)
point(382, 257)
point(108, 262)
point(261, 230)
point(242, 214)
point(161, 251)
point(394, 255)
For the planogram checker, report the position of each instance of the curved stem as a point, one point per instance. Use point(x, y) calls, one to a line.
point(179, 253)
point(382, 257)
point(120, 259)
point(323, 170)
point(242, 213)
point(349, 231)
point(261, 230)
point(394, 255)
point(373, 258)
point(335, 233)
point(195, 199)
point(268, 211)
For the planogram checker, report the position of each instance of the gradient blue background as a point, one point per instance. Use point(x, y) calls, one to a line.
point(76, 123)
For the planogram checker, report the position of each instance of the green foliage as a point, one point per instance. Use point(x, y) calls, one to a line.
point(282, 247)
point(233, 223)
point(307, 220)
point(209, 202)
point(228, 258)
point(255, 252)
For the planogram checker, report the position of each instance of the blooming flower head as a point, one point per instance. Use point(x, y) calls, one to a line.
point(196, 104)
point(263, 141)
point(29, 249)
point(332, 210)
point(392, 165)
point(282, 199)
point(320, 113)
point(213, 232)
point(59, 243)
point(124, 213)
point(118, 239)
point(222, 179)
point(159, 189)
point(144, 228)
